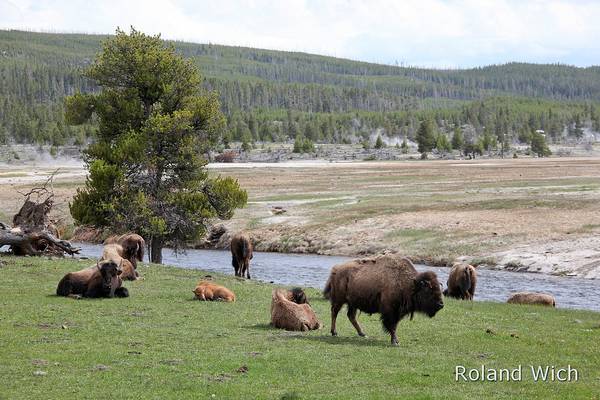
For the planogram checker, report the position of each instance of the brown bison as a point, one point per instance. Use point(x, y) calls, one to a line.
point(208, 291)
point(461, 282)
point(114, 252)
point(241, 254)
point(542, 299)
point(132, 247)
point(101, 280)
point(388, 285)
point(288, 315)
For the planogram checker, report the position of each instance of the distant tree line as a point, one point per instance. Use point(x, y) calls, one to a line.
point(281, 96)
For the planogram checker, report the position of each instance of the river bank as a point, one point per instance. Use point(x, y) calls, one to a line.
point(536, 215)
point(309, 270)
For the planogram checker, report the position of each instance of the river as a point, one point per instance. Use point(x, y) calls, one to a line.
point(313, 271)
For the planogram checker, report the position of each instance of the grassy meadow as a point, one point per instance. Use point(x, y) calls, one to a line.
point(160, 343)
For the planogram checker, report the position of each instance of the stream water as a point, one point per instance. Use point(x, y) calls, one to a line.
point(313, 271)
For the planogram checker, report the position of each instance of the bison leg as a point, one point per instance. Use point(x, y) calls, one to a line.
point(352, 317)
point(236, 266)
point(394, 338)
point(247, 268)
point(121, 292)
point(390, 322)
point(335, 309)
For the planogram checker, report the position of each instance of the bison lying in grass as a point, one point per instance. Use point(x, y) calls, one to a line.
point(114, 252)
point(461, 282)
point(208, 291)
point(542, 299)
point(132, 244)
point(101, 280)
point(129, 247)
point(288, 315)
point(388, 285)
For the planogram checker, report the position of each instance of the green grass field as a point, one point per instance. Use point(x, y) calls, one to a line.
point(159, 343)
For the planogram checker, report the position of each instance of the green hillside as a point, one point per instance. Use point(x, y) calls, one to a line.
point(275, 96)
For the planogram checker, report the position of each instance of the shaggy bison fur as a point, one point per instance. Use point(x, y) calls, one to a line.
point(101, 280)
point(208, 291)
point(288, 315)
point(296, 295)
point(388, 285)
point(114, 252)
point(542, 299)
point(461, 282)
point(241, 254)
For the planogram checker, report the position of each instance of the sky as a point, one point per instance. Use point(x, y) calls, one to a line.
point(428, 33)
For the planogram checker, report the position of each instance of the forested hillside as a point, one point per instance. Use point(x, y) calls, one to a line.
point(277, 96)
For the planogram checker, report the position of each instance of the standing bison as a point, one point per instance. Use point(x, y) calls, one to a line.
point(241, 254)
point(388, 285)
point(461, 282)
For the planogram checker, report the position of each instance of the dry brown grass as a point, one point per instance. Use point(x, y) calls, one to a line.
point(432, 208)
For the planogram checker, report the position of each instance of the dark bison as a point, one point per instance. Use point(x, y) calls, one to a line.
point(297, 295)
point(541, 299)
point(241, 254)
point(101, 280)
point(461, 282)
point(388, 285)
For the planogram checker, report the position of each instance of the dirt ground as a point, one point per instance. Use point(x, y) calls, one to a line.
point(540, 215)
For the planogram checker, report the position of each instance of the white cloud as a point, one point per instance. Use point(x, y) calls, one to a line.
point(418, 32)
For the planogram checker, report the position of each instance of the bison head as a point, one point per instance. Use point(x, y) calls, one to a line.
point(427, 294)
point(298, 296)
point(110, 272)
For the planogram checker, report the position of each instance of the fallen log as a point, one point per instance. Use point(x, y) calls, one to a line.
point(33, 232)
point(33, 243)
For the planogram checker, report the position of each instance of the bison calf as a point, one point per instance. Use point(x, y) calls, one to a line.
point(461, 282)
point(241, 254)
point(532, 298)
point(208, 291)
point(388, 285)
point(288, 315)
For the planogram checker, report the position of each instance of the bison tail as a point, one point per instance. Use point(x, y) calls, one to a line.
point(244, 249)
point(140, 250)
point(327, 290)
